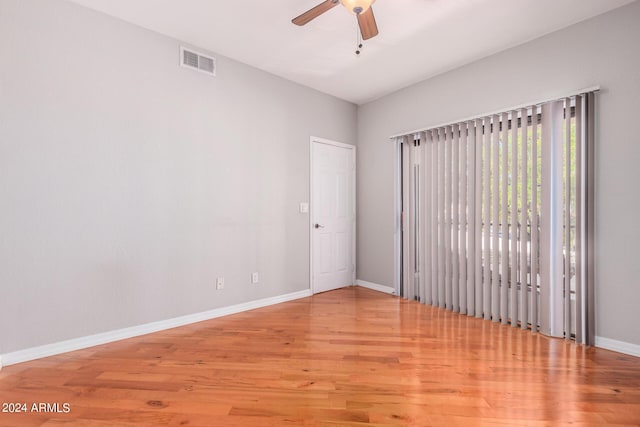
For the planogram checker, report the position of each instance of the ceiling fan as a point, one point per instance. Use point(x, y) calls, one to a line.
point(360, 8)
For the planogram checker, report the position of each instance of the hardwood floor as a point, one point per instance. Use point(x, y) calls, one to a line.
point(347, 357)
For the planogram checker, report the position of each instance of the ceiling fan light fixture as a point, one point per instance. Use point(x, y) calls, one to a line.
point(357, 6)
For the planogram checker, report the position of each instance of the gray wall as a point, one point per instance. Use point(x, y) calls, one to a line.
point(602, 51)
point(129, 183)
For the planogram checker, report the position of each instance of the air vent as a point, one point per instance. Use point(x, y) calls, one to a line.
point(197, 61)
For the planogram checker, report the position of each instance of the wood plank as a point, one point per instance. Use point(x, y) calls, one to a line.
point(351, 356)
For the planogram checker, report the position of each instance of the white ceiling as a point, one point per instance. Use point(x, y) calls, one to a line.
point(418, 38)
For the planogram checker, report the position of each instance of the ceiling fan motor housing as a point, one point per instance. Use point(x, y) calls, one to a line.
point(357, 6)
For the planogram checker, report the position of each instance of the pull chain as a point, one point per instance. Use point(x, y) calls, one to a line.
point(358, 39)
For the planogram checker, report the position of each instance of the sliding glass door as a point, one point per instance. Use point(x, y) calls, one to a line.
point(496, 217)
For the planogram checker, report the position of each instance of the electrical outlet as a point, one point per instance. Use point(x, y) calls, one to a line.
point(220, 283)
point(254, 277)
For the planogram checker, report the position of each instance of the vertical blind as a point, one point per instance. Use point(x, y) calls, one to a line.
point(497, 217)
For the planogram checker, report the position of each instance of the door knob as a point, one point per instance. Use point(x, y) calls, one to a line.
point(319, 226)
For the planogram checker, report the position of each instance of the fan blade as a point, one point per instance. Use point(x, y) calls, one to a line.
point(313, 13)
point(368, 26)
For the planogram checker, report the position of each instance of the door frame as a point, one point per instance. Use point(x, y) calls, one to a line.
point(315, 140)
point(397, 218)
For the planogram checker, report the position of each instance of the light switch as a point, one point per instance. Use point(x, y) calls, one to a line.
point(304, 207)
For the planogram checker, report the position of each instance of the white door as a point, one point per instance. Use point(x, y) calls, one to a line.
point(332, 215)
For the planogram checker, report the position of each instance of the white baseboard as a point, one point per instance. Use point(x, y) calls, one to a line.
point(134, 331)
point(376, 287)
point(619, 346)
